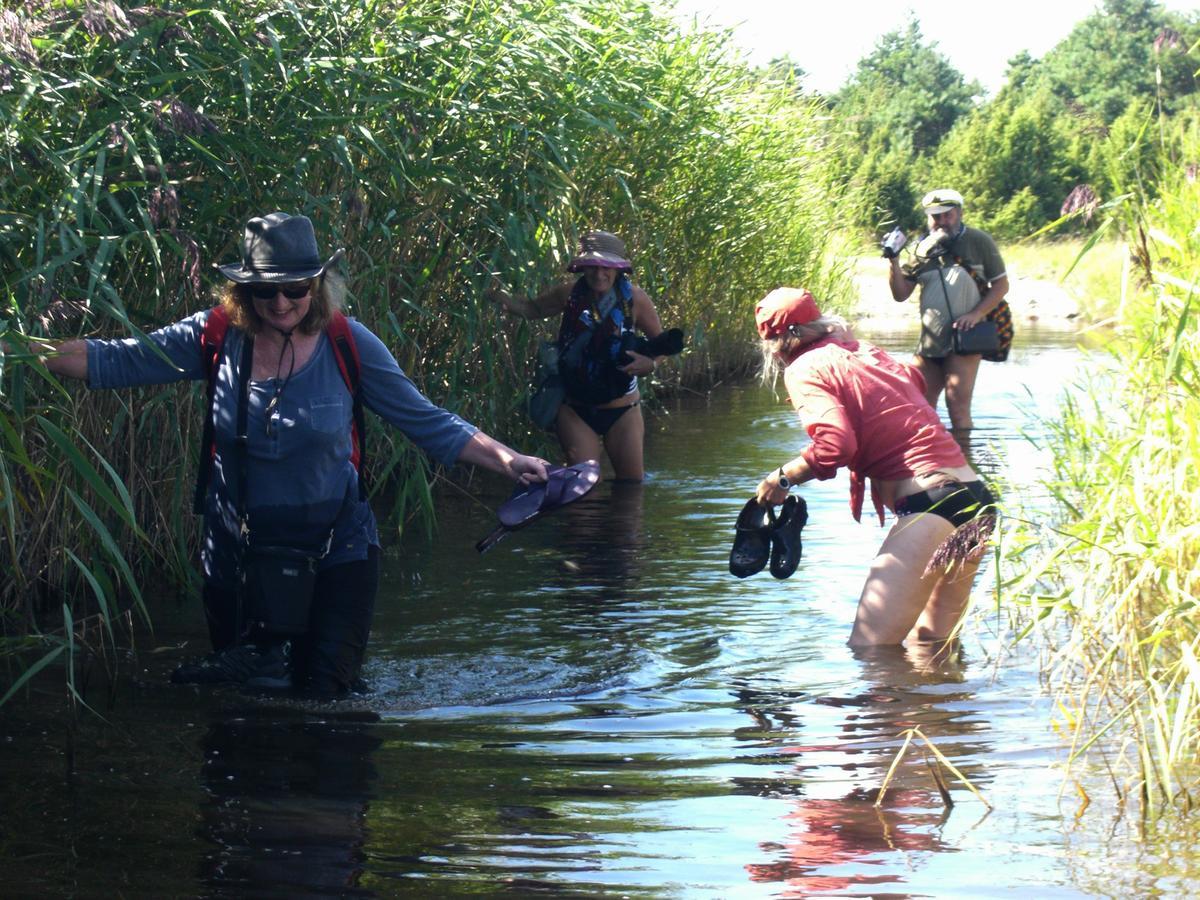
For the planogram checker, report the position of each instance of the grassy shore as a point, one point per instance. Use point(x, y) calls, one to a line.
point(1092, 280)
point(1117, 570)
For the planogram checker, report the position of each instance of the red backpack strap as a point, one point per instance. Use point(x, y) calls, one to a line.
point(212, 344)
point(212, 340)
point(345, 351)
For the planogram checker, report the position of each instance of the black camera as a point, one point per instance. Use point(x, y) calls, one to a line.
point(666, 344)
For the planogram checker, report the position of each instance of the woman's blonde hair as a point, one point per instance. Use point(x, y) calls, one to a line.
point(781, 349)
point(328, 297)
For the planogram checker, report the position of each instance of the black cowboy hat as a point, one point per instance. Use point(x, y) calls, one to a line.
point(278, 248)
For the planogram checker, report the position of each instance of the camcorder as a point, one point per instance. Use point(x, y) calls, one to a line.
point(893, 242)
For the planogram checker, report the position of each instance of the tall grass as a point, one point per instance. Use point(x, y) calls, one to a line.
point(1122, 569)
point(440, 142)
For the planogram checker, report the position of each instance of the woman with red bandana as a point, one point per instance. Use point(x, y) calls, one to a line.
point(868, 413)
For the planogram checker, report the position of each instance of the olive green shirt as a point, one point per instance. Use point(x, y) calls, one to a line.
point(948, 290)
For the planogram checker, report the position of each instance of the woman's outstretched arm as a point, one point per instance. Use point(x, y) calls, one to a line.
point(69, 358)
point(484, 450)
point(549, 302)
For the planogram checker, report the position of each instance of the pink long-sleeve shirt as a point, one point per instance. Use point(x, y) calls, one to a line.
point(867, 412)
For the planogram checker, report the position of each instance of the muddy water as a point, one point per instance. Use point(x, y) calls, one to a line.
point(594, 708)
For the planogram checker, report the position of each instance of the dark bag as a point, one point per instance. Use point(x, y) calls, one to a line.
point(1001, 317)
point(667, 343)
point(983, 338)
point(545, 400)
point(277, 585)
point(550, 392)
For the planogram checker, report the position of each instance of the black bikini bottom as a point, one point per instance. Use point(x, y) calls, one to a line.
point(600, 420)
point(957, 502)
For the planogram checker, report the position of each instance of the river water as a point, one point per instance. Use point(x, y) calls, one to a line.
point(594, 708)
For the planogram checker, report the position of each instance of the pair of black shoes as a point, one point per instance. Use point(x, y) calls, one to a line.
point(260, 666)
point(761, 536)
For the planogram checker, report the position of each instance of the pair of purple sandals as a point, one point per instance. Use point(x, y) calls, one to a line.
point(529, 502)
point(762, 536)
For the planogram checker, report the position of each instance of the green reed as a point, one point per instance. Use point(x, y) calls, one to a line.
point(1121, 569)
point(441, 143)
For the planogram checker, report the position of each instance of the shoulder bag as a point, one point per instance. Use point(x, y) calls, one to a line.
point(275, 584)
point(1000, 318)
point(549, 392)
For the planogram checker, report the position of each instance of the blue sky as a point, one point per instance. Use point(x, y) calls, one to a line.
point(827, 38)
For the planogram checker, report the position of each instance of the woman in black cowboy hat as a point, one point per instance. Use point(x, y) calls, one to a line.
point(290, 552)
point(601, 311)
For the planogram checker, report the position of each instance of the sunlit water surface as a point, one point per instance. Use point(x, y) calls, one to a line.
point(595, 708)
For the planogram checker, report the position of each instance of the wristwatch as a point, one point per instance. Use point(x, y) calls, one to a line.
point(784, 482)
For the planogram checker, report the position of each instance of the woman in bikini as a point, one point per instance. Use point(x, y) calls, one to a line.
point(601, 312)
point(868, 413)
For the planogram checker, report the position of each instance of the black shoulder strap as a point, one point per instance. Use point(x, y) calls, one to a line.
point(980, 281)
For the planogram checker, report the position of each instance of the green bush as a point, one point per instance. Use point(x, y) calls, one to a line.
point(1117, 571)
point(1009, 160)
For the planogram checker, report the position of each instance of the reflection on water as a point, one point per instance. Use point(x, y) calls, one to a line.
point(838, 839)
point(595, 708)
point(286, 806)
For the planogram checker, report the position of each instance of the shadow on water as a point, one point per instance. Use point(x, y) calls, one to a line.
point(593, 708)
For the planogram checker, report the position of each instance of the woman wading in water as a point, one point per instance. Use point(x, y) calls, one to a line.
point(601, 311)
point(283, 496)
point(867, 413)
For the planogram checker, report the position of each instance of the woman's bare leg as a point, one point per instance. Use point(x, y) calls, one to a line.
point(624, 443)
point(578, 440)
point(946, 604)
point(897, 592)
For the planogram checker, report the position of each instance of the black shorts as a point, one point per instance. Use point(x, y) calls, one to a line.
point(957, 502)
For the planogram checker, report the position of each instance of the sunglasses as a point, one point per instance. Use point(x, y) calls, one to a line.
point(294, 291)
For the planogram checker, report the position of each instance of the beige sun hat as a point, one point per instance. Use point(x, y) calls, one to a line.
point(603, 249)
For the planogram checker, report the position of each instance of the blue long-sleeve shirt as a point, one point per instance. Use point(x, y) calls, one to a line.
point(300, 481)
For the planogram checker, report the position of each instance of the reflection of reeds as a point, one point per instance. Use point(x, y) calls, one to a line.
point(439, 143)
point(939, 760)
point(1123, 569)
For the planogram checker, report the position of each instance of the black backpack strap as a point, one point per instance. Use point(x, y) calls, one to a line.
point(241, 438)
